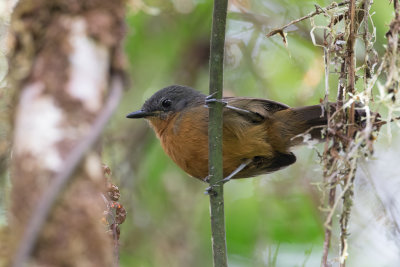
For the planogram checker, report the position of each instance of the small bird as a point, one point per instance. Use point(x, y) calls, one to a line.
point(257, 133)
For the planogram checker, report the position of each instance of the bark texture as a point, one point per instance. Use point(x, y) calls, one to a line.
point(64, 53)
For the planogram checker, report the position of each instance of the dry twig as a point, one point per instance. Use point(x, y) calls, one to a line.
point(318, 10)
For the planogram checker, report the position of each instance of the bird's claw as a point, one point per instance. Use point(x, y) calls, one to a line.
point(210, 191)
point(211, 99)
point(211, 96)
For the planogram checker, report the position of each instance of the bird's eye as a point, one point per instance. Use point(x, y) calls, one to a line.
point(166, 103)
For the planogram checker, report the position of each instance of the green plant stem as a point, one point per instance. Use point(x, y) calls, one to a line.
point(215, 134)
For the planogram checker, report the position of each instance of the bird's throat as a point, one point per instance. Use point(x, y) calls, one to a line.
point(160, 125)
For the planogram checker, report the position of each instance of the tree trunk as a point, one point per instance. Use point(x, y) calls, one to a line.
point(65, 53)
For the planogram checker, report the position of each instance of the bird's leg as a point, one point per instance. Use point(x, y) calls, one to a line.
point(253, 115)
point(236, 171)
point(209, 190)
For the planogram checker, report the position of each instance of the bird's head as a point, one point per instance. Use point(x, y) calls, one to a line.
point(167, 102)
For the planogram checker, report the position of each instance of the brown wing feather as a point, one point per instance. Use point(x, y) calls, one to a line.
point(246, 137)
point(264, 107)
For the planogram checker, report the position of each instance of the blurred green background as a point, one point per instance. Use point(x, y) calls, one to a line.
point(271, 220)
point(168, 214)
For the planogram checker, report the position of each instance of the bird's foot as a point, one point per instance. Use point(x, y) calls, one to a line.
point(211, 99)
point(211, 190)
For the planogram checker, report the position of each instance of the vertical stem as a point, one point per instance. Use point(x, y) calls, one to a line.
point(328, 229)
point(351, 63)
point(215, 134)
point(327, 161)
point(349, 176)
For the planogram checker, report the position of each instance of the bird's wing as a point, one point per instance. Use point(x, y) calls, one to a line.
point(264, 165)
point(254, 110)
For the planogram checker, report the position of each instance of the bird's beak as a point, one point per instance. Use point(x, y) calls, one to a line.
point(139, 114)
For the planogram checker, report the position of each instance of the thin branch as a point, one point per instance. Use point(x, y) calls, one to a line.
point(328, 224)
point(341, 86)
point(393, 39)
point(215, 134)
point(348, 194)
point(368, 69)
point(351, 62)
point(332, 192)
point(350, 175)
point(396, 9)
point(318, 10)
point(340, 159)
point(331, 174)
point(58, 183)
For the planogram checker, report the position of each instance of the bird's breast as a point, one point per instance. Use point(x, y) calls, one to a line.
point(184, 138)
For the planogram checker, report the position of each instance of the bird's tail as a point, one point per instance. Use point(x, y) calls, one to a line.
point(305, 123)
point(297, 124)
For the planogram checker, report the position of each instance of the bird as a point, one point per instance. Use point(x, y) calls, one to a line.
point(258, 134)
